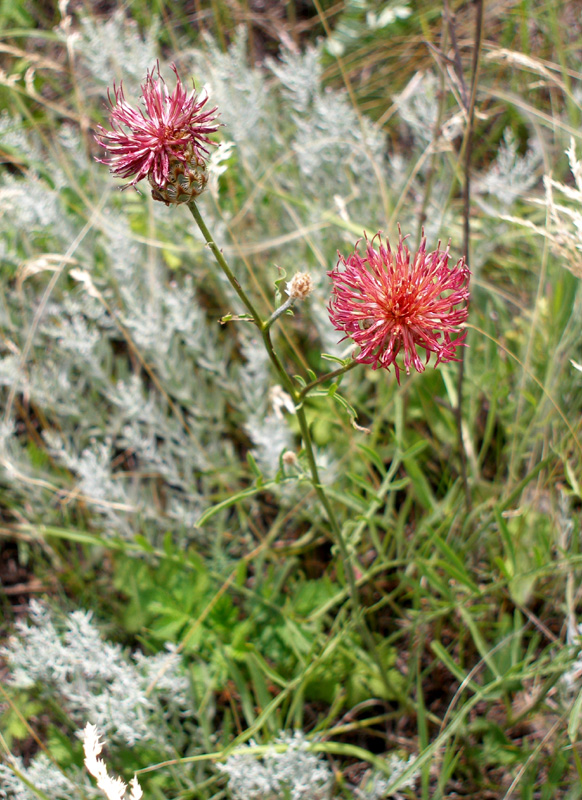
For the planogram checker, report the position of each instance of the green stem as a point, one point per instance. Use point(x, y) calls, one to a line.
point(361, 623)
point(327, 377)
point(223, 264)
point(297, 396)
point(354, 594)
point(278, 312)
point(285, 379)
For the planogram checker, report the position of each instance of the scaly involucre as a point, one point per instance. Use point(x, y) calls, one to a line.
point(173, 128)
point(387, 302)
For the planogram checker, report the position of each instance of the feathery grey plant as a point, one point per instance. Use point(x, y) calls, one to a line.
point(376, 786)
point(241, 94)
point(300, 76)
point(15, 138)
point(113, 49)
point(165, 420)
point(83, 331)
point(94, 679)
point(270, 436)
point(78, 337)
point(271, 122)
point(511, 175)
point(320, 145)
point(112, 788)
point(418, 108)
point(44, 775)
point(31, 205)
point(286, 768)
point(267, 430)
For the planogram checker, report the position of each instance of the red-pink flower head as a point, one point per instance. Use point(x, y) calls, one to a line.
point(166, 141)
point(387, 302)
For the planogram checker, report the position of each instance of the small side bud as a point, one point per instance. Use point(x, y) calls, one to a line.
point(300, 286)
point(289, 458)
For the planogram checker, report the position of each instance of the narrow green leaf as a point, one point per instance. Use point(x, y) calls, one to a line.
point(365, 485)
point(574, 721)
point(341, 361)
point(453, 560)
point(251, 461)
point(507, 539)
point(414, 450)
point(347, 499)
point(374, 457)
point(231, 501)
point(480, 644)
point(442, 654)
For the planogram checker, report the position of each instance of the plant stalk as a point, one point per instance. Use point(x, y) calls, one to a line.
point(224, 265)
point(327, 377)
point(286, 380)
point(278, 312)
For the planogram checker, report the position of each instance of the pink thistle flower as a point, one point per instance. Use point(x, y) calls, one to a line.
point(172, 133)
point(389, 302)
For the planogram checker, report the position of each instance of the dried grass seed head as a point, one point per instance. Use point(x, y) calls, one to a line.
point(112, 788)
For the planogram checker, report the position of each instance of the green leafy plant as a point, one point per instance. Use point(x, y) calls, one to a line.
point(260, 559)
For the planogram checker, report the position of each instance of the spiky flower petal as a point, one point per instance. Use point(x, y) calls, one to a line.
point(387, 302)
point(166, 144)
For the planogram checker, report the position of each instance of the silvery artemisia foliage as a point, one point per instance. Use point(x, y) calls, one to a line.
point(267, 430)
point(114, 49)
point(241, 95)
point(132, 386)
point(377, 785)
point(300, 77)
point(417, 106)
point(131, 447)
point(45, 776)
point(511, 175)
point(130, 381)
point(287, 769)
point(295, 120)
point(94, 680)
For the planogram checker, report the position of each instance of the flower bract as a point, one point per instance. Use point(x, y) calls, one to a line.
point(165, 143)
point(388, 302)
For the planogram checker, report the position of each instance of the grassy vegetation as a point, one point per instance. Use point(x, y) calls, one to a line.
point(143, 478)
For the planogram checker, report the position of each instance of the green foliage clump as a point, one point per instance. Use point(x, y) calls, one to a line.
point(156, 480)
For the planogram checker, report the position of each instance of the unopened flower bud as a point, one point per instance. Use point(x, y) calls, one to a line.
point(300, 286)
point(289, 458)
